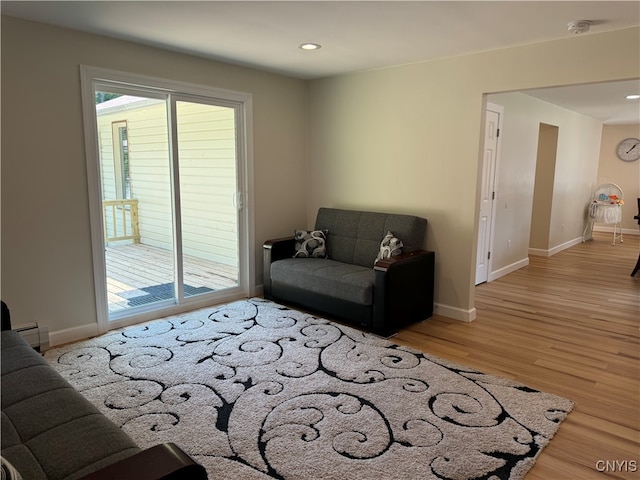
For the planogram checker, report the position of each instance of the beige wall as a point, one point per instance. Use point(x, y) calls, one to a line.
point(47, 272)
point(624, 174)
point(406, 139)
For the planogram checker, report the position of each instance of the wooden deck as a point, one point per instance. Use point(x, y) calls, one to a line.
point(140, 274)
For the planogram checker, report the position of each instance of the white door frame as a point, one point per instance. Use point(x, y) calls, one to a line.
point(488, 188)
point(245, 202)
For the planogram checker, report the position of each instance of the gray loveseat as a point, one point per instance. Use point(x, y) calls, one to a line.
point(381, 296)
point(51, 432)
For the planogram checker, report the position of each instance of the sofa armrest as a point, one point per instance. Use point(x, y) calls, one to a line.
point(280, 248)
point(403, 290)
point(273, 250)
point(166, 461)
point(392, 262)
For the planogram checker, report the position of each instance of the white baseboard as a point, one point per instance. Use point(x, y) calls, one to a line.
point(625, 231)
point(455, 312)
point(508, 269)
point(68, 335)
point(552, 251)
point(83, 332)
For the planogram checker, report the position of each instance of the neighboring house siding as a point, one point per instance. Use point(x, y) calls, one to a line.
point(150, 174)
point(207, 176)
point(207, 151)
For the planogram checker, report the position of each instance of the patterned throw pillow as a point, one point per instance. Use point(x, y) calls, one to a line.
point(310, 243)
point(389, 247)
point(8, 471)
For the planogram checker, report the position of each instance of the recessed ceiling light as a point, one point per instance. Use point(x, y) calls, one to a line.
point(632, 97)
point(309, 46)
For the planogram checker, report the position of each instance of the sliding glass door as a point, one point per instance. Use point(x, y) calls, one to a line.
point(137, 199)
point(207, 156)
point(170, 168)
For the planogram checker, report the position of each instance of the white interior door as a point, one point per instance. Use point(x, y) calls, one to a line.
point(487, 192)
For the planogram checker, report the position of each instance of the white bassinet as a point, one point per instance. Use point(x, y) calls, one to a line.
point(605, 207)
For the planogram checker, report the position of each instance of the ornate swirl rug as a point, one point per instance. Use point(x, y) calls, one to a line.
point(255, 390)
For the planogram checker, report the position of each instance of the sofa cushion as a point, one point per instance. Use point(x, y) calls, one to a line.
point(29, 382)
point(348, 282)
point(63, 405)
point(354, 236)
point(80, 447)
point(15, 356)
point(49, 430)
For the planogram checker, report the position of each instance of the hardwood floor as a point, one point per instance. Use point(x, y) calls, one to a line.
point(569, 325)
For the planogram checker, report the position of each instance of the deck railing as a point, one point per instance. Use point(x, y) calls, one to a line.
point(121, 220)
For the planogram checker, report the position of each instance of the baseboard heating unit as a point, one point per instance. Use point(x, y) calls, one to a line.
point(36, 335)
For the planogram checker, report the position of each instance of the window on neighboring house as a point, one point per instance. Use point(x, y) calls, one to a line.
point(121, 160)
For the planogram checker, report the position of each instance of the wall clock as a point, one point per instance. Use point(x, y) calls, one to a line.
point(629, 149)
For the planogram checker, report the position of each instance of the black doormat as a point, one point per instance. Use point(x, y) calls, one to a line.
point(156, 293)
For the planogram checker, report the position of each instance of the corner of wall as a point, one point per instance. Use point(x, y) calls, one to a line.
point(455, 312)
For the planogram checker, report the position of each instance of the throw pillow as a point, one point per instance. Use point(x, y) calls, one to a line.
point(389, 247)
point(310, 243)
point(8, 471)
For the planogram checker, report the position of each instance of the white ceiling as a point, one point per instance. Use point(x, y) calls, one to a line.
point(604, 101)
point(355, 35)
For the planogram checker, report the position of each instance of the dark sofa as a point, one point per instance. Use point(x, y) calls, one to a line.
point(381, 296)
point(51, 432)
